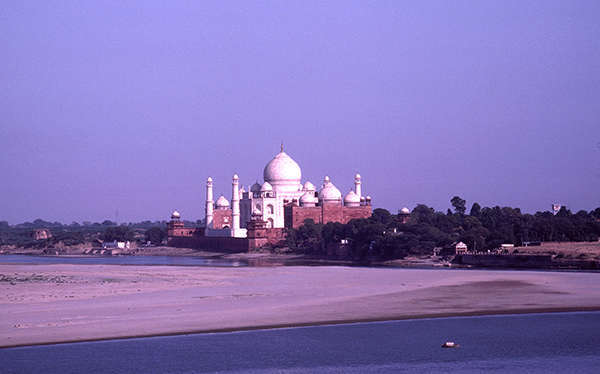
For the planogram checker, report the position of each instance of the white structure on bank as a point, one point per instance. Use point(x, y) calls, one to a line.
point(282, 185)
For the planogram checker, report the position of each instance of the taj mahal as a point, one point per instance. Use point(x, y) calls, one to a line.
point(263, 211)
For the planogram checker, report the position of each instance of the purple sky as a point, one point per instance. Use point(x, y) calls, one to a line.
point(129, 106)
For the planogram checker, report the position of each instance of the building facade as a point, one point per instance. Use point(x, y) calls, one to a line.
point(263, 211)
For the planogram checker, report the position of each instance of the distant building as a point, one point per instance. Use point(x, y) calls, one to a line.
point(461, 248)
point(404, 215)
point(116, 245)
point(41, 234)
point(556, 208)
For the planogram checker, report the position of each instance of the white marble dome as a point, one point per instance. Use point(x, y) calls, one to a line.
point(308, 199)
point(175, 215)
point(405, 210)
point(329, 192)
point(351, 198)
point(283, 173)
point(222, 202)
point(266, 187)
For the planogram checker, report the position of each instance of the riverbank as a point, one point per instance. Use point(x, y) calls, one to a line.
point(60, 303)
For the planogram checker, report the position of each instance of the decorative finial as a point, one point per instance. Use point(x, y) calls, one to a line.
point(282, 146)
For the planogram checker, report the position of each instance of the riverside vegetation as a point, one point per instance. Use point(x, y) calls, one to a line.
point(383, 236)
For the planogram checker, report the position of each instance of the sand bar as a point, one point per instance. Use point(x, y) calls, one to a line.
point(59, 303)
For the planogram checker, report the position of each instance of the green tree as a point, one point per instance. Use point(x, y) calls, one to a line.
point(118, 233)
point(475, 210)
point(155, 235)
point(459, 205)
point(382, 216)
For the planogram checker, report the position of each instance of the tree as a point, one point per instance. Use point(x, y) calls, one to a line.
point(459, 205)
point(475, 210)
point(155, 235)
point(118, 233)
point(381, 216)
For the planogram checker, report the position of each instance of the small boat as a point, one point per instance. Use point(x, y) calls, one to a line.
point(450, 345)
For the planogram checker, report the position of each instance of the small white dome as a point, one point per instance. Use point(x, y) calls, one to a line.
point(235, 176)
point(209, 179)
point(266, 187)
point(175, 215)
point(309, 186)
point(308, 198)
point(357, 176)
point(255, 188)
point(405, 210)
point(222, 202)
point(329, 192)
point(352, 197)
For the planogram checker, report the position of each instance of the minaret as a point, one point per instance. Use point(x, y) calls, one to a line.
point(357, 183)
point(209, 203)
point(235, 205)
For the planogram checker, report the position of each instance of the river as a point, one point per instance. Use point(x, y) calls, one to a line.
point(535, 343)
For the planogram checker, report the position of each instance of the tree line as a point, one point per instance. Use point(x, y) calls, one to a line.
point(21, 235)
point(385, 236)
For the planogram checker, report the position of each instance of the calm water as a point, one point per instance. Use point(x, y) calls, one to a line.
point(542, 343)
point(121, 260)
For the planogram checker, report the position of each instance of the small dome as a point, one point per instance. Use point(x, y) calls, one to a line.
point(329, 192)
point(405, 210)
point(175, 215)
point(209, 179)
point(309, 186)
point(235, 176)
point(308, 198)
point(255, 188)
point(266, 187)
point(222, 202)
point(352, 197)
point(357, 176)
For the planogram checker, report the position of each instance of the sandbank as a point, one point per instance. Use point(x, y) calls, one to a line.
point(44, 304)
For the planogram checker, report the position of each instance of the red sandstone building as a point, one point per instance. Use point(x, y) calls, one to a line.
point(261, 214)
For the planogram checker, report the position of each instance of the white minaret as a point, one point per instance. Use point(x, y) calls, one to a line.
point(357, 183)
point(209, 203)
point(235, 205)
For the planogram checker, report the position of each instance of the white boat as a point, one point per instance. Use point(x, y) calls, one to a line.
point(450, 345)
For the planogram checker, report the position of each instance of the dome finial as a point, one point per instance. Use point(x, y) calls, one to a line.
point(282, 146)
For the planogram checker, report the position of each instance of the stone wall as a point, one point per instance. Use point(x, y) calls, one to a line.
point(296, 215)
point(211, 243)
point(222, 218)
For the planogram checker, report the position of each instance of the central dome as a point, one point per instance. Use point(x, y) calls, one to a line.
point(283, 173)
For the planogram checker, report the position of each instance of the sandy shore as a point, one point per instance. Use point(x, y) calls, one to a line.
point(59, 303)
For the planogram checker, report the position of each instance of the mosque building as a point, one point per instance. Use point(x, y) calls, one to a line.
point(263, 211)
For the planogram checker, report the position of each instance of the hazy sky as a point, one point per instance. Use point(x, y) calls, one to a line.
point(129, 106)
